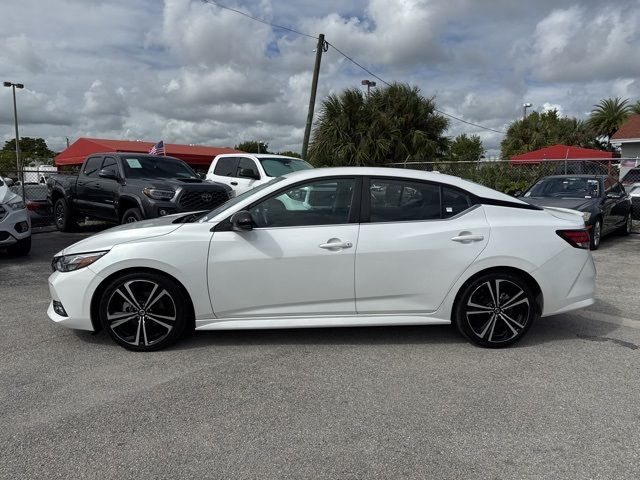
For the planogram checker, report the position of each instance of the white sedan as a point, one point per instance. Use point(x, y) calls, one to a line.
point(331, 247)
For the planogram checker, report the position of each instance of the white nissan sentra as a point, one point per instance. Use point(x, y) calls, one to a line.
point(331, 247)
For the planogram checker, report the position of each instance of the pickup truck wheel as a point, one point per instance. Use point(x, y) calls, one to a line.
point(63, 216)
point(132, 215)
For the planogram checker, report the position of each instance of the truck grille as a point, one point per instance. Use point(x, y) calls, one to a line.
point(202, 199)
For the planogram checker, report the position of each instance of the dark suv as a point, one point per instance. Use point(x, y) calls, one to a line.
point(127, 187)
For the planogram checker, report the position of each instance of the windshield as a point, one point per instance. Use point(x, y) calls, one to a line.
point(160, 167)
point(278, 166)
point(632, 176)
point(565, 187)
point(235, 200)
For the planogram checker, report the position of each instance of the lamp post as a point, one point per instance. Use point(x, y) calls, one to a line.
point(369, 84)
point(524, 110)
point(15, 120)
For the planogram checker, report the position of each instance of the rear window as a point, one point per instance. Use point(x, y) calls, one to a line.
point(632, 176)
point(91, 166)
point(276, 167)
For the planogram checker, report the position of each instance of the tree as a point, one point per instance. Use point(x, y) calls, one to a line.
point(35, 148)
point(466, 148)
point(253, 146)
point(289, 153)
point(635, 108)
point(607, 117)
point(392, 124)
point(541, 130)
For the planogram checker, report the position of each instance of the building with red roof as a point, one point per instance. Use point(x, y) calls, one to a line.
point(628, 137)
point(561, 152)
point(196, 156)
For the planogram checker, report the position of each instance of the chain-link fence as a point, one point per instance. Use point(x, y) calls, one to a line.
point(30, 184)
point(513, 178)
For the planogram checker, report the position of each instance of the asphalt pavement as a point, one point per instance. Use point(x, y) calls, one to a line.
point(353, 403)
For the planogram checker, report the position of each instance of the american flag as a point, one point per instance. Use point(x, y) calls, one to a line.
point(157, 149)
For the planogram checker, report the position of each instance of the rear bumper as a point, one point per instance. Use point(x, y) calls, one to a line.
point(568, 282)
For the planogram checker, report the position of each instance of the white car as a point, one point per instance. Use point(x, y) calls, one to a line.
point(15, 225)
point(244, 171)
point(634, 193)
point(363, 247)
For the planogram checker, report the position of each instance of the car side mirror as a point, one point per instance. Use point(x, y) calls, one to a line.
point(241, 221)
point(105, 173)
point(248, 173)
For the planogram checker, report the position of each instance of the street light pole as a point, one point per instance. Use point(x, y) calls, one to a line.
point(15, 121)
point(369, 84)
point(524, 110)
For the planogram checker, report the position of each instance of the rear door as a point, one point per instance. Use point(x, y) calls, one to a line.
point(85, 185)
point(224, 171)
point(419, 238)
point(106, 191)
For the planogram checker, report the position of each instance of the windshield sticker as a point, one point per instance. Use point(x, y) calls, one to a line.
point(133, 163)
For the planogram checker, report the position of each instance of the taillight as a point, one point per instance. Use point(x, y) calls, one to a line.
point(577, 238)
point(33, 206)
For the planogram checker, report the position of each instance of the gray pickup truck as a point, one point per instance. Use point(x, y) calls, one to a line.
point(127, 187)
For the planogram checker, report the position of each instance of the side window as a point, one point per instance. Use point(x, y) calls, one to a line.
point(247, 163)
point(400, 200)
point(110, 164)
point(326, 202)
point(454, 202)
point(226, 167)
point(91, 166)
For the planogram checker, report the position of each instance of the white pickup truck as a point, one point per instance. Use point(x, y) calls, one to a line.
point(244, 171)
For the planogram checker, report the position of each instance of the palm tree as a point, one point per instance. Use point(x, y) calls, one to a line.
point(635, 108)
point(392, 124)
point(607, 117)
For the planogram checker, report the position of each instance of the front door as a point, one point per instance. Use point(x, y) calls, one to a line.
point(419, 239)
point(297, 261)
point(105, 191)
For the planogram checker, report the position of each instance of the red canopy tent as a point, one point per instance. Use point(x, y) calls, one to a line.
point(194, 155)
point(561, 152)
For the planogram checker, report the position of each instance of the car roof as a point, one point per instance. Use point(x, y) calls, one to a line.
point(579, 175)
point(127, 154)
point(471, 187)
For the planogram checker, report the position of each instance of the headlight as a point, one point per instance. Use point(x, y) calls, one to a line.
point(16, 205)
point(159, 194)
point(586, 216)
point(69, 263)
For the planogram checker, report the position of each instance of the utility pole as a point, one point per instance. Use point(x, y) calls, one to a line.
point(322, 47)
point(15, 120)
point(369, 84)
point(524, 110)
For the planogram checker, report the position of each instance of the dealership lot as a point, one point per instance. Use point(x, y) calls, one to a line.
point(401, 402)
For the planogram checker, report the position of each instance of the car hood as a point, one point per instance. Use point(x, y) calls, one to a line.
point(7, 195)
point(129, 232)
point(173, 184)
point(580, 204)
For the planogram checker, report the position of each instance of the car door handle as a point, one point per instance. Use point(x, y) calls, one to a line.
point(335, 244)
point(468, 238)
point(234, 183)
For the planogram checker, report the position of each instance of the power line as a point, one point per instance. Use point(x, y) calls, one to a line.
point(213, 2)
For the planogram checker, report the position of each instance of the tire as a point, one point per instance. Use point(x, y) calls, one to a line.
point(131, 215)
point(595, 236)
point(627, 227)
point(22, 248)
point(63, 216)
point(144, 311)
point(495, 326)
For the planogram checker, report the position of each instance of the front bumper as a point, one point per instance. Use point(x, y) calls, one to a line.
point(74, 290)
point(14, 225)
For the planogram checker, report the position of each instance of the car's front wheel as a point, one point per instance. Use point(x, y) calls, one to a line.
point(132, 215)
point(596, 235)
point(495, 310)
point(144, 311)
point(628, 225)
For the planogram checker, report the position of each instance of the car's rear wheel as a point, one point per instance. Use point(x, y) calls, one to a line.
point(144, 311)
point(132, 215)
point(495, 310)
point(21, 248)
point(63, 215)
point(595, 235)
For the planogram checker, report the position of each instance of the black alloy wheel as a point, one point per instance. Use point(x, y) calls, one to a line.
point(132, 215)
point(144, 311)
point(496, 310)
point(595, 235)
point(63, 216)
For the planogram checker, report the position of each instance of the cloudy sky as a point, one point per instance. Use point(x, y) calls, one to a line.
point(189, 72)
